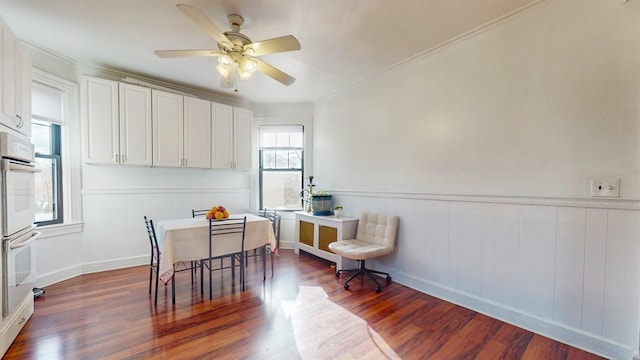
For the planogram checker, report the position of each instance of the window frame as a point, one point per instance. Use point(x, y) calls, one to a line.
point(262, 170)
point(56, 155)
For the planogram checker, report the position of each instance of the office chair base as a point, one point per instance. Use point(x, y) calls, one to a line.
point(362, 271)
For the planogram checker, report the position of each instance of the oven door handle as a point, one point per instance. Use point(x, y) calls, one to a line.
point(14, 166)
point(24, 240)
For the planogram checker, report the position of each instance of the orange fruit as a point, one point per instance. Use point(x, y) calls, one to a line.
point(225, 213)
point(219, 215)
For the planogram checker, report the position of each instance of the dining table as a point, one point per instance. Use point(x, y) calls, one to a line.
point(184, 240)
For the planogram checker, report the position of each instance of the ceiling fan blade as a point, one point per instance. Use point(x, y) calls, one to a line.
point(205, 24)
point(281, 44)
point(186, 53)
point(274, 73)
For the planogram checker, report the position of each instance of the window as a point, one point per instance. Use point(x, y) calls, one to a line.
point(281, 163)
point(46, 118)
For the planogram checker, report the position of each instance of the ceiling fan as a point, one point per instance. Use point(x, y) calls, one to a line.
point(237, 55)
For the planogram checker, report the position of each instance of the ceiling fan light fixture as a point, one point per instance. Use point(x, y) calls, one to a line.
point(225, 60)
point(244, 75)
point(248, 65)
point(223, 70)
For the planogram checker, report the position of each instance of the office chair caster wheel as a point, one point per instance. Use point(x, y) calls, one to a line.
point(388, 278)
point(346, 286)
point(378, 289)
point(337, 273)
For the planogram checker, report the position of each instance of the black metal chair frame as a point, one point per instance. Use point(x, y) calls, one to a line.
point(154, 266)
point(362, 271)
point(154, 262)
point(274, 217)
point(198, 213)
point(219, 228)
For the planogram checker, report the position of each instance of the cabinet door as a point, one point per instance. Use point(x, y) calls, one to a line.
point(222, 136)
point(135, 125)
point(23, 102)
point(242, 138)
point(167, 128)
point(100, 120)
point(9, 80)
point(197, 133)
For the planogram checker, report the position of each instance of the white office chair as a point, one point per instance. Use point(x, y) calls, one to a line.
point(376, 236)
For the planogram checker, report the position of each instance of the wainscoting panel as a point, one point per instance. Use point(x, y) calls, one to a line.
point(114, 234)
point(536, 268)
point(622, 269)
point(570, 265)
point(506, 255)
point(595, 260)
point(568, 269)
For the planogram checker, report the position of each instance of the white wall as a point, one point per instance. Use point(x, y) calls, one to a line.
point(485, 148)
point(537, 105)
point(115, 199)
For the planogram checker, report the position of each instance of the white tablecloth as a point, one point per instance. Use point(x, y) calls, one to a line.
point(188, 239)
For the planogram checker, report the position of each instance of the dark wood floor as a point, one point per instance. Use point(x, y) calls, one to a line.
point(110, 315)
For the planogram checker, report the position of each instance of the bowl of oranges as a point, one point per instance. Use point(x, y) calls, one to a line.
point(217, 213)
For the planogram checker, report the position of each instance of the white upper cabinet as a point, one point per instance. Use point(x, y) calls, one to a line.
point(24, 95)
point(117, 122)
point(231, 137)
point(135, 125)
point(100, 121)
point(15, 78)
point(242, 137)
point(168, 120)
point(182, 131)
point(222, 128)
point(197, 133)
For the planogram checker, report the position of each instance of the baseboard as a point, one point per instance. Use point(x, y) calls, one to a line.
point(574, 337)
point(98, 266)
point(43, 280)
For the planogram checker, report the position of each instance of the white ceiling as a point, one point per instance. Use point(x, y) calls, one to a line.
point(343, 41)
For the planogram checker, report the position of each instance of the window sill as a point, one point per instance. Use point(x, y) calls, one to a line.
point(59, 229)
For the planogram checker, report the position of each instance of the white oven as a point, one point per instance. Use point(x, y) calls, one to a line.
point(19, 269)
point(17, 191)
point(18, 195)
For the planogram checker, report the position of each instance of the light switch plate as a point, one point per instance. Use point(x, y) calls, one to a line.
point(605, 187)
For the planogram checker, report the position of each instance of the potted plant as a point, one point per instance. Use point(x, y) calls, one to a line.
point(337, 211)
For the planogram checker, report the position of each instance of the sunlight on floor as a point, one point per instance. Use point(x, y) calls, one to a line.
point(324, 330)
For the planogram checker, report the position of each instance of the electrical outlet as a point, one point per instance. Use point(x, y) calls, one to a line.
point(605, 187)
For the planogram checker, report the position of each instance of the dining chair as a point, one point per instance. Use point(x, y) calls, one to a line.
point(230, 231)
point(154, 263)
point(274, 218)
point(375, 236)
point(198, 213)
point(195, 213)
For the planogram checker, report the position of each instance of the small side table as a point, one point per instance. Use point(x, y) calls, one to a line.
point(314, 233)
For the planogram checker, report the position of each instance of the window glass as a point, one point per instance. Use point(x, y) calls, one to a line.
point(45, 129)
point(281, 167)
point(281, 190)
point(41, 136)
